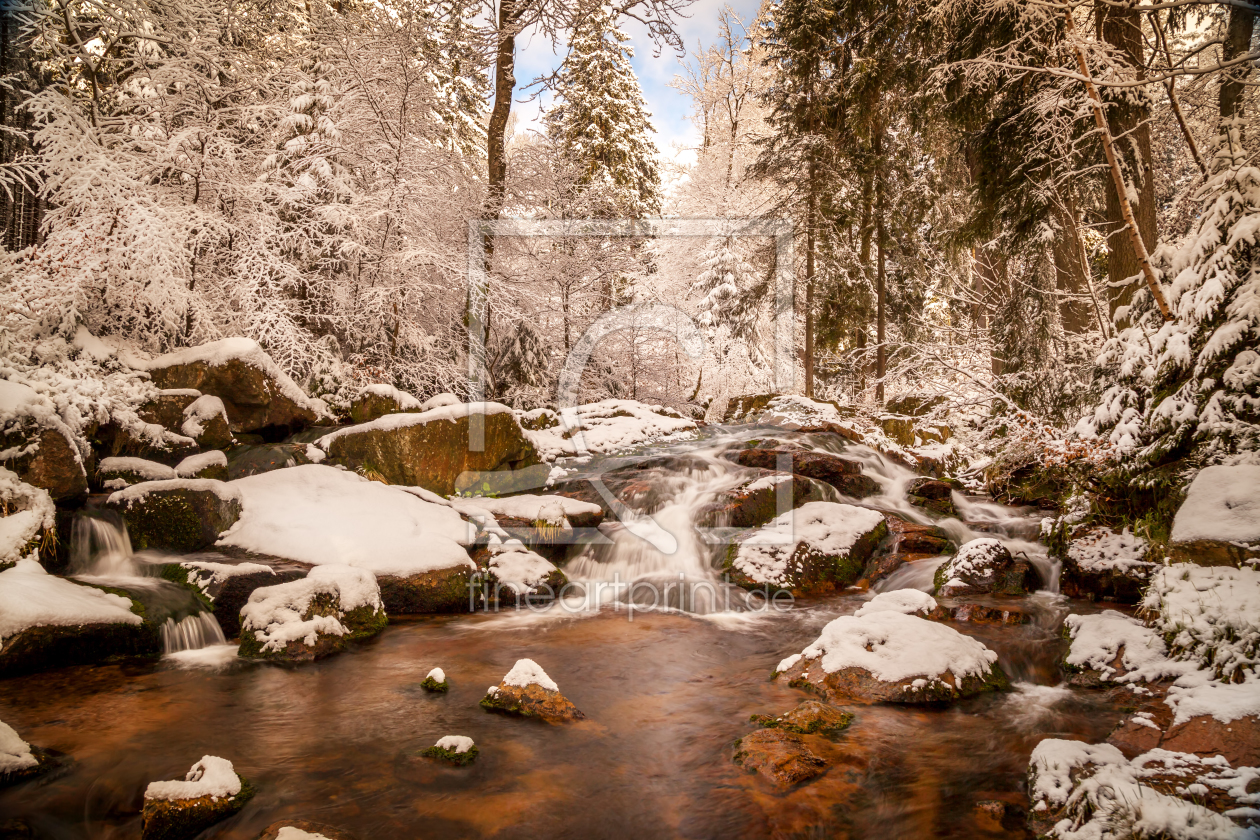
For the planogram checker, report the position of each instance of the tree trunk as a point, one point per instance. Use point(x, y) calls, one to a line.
point(881, 351)
point(809, 287)
point(1128, 120)
point(504, 86)
point(1072, 283)
point(1242, 21)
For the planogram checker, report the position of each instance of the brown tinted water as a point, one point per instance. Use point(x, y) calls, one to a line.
point(666, 696)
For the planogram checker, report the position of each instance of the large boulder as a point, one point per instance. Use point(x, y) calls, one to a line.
point(211, 792)
point(51, 622)
point(1105, 565)
point(889, 657)
point(212, 464)
point(1219, 522)
point(819, 547)
point(527, 691)
point(780, 756)
point(227, 586)
point(447, 590)
point(37, 445)
point(313, 617)
point(841, 473)
point(985, 567)
point(433, 449)
point(182, 514)
point(256, 394)
point(167, 408)
point(378, 400)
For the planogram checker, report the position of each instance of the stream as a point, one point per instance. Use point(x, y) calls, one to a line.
point(666, 692)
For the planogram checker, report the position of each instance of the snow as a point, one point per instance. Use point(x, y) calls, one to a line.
point(31, 510)
point(1222, 503)
point(1195, 695)
point(527, 672)
point(1208, 613)
point(1102, 549)
point(193, 464)
point(455, 743)
point(1098, 639)
point(200, 412)
point(607, 426)
point(92, 346)
point(138, 492)
point(274, 614)
point(391, 422)
point(518, 568)
point(439, 401)
point(554, 510)
point(31, 597)
point(15, 754)
point(977, 559)
point(240, 349)
point(895, 647)
point(830, 528)
point(318, 514)
point(147, 470)
point(205, 573)
point(212, 776)
point(437, 675)
point(402, 399)
point(314, 454)
point(788, 662)
point(907, 601)
point(288, 832)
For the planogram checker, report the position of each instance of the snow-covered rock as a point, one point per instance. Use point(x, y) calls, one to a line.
point(755, 501)
point(117, 473)
point(1101, 563)
point(1209, 615)
point(28, 512)
point(434, 449)
point(36, 444)
point(212, 464)
point(313, 617)
point(1219, 522)
point(603, 427)
point(817, 547)
point(436, 681)
point(19, 761)
point(515, 572)
point(227, 586)
point(905, 601)
point(179, 810)
point(1111, 647)
point(205, 420)
point(379, 399)
point(887, 656)
point(555, 511)
point(985, 566)
point(526, 690)
point(454, 749)
point(255, 392)
point(179, 514)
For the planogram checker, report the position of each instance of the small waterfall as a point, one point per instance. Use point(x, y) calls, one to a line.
point(192, 633)
point(99, 546)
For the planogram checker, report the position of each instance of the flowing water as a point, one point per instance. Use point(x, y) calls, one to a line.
point(666, 694)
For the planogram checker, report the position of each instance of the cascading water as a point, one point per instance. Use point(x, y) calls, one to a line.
point(100, 552)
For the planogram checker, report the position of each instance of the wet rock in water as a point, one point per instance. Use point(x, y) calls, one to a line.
point(932, 494)
point(1105, 565)
point(987, 614)
point(1219, 522)
point(817, 548)
point(182, 514)
point(227, 586)
point(528, 691)
point(431, 449)
point(453, 749)
point(312, 618)
point(755, 502)
point(994, 815)
point(211, 792)
point(19, 761)
point(50, 622)
point(212, 465)
point(256, 394)
point(37, 445)
point(782, 757)
point(809, 718)
point(448, 590)
point(303, 830)
point(436, 681)
point(378, 400)
point(906, 542)
point(841, 473)
point(205, 420)
point(985, 567)
point(890, 657)
point(117, 473)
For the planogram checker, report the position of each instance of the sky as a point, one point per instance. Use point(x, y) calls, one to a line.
point(676, 137)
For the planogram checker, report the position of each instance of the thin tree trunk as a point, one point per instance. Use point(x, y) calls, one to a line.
point(1171, 85)
point(1242, 22)
point(881, 351)
point(1069, 272)
point(1120, 194)
point(1089, 279)
point(809, 288)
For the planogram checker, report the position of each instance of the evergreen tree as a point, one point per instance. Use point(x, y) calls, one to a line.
point(601, 119)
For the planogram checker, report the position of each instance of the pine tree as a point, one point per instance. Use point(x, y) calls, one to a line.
point(601, 119)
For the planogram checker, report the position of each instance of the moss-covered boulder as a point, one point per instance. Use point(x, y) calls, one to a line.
point(844, 474)
point(177, 515)
point(819, 547)
point(212, 465)
point(453, 749)
point(435, 682)
point(314, 617)
point(378, 400)
point(985, 567)
point(433, 449)
point(448, 590)
point(809, 718)
point(527, 691)
point(167, 408)
point(211, 792)
point(205, 420)
point(780, 756)
point(117, 473)
point(932, 494)
point(256, 394)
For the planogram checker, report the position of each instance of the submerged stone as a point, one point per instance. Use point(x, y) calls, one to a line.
point(782, 757)
point(809, 718)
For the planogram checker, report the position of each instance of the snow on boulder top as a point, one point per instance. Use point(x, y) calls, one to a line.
point(455, 743)
point(907, 601)
point(437, 675)
point(404, 400)
point(274, 614)
point(19, 400)
point(240, 349)
point(830, 528)
point(518, 568)
point(318, 514)
point(148, 470)
point(288, 832)
point(551, 509)
point(527, 672)
point(401, 421)
point(1102, 549)
point(201, 411)
point(977, 558)
point(212, 776)
point(31, 510)
point(894, 647)
point(15, 754)
point(194, 464)
point(1222, 503)
point(30, 597)
point(90, 345)
point(139, 492)
point(608, 426)
point(440, 400)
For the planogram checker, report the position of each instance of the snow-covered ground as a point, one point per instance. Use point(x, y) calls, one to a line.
point(31, 597)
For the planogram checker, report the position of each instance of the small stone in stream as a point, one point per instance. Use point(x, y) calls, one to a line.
point(20, 761)
point(303, 830)
point(454, 749)
point(808, 718)
point(528, 691)
point(781, 757)
point(985, 566)
point(983, 614)
point(436, 681)
point(211, 792)
point(932, 494)
point(994, 815)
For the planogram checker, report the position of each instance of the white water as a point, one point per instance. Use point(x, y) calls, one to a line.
point(192, 633)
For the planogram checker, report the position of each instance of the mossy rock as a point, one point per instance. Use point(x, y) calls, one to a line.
point(362, 622)
point(809, 718)
point(451, 757)
point(254, 401)
point(436, 687)
point(858, 685)
point(183, 515)
point(438, 591)
point(368, 406)
point(781, 757)
point(184, 819)
point(531, 701)
point(810, 571)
